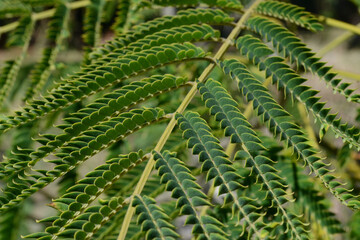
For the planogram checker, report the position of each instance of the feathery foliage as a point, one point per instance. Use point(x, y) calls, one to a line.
point(153, 219)
point(279, 122)
point(100, 133)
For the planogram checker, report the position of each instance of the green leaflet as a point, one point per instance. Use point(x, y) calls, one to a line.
point(68, 180)
point(111, 231)
point(48, 105)
point(76, 152)
point(20, 37)
point(188, 33)
point(35, 3)
point(11, 223)
point(8, 72)
point(92, 27)
point(153, 219)
point(104, 108)
point(290, 12)
point(127, 183)
point(219, 168)
point(291, 46)
point(180, 34)
point(311, 198)
point(122, 14)
point(285, 77)
point(85, 225)
point(74, 218)
point(75, 203)
point(179, 180)
point(157, 37)
point(281, 124)
point(239, 129)
point(126, 66)
point(13, 8)
point(55, 36)
point(226, 4)
point(183, 17)
point(231, 225)
point(257, 194)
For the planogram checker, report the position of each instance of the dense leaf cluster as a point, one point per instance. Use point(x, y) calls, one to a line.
point(157, 88)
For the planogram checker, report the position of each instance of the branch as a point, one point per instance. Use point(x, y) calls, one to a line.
point(44, 14)
point(339, 24)
point(234, 33)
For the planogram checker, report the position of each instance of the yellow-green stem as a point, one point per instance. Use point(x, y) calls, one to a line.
point(43, 15)
point(339, 24)
point(336, 42)
point(234, 33)
point(307, 125)
point(346, 74)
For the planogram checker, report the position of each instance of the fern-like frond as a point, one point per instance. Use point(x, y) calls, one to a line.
point(11, 223)
point(179, 180)
point(285, 77)
point(154, 76)
point(123, 9)
point(220, 169)
point(80, 196)
point(312, 200)
point(110, 230)
point(153, 219)
point(55, 35)
point(127, 182)
point(183, 18)
point(36, 3)
point(225, 4)
point(13, 8)
point(187, 33)
point(20, 37)
point(111, 51)
point(166, 34)
point(77, 151)
point(291, 46)
point(85, 225)
point(180, 34)
point(104, 108)
point(281, 124)
point(291, 13)
point(124, 67)
point(239, 129)
point(21, 34)
point(231, 225)
point(152, 189)
point(92, 27)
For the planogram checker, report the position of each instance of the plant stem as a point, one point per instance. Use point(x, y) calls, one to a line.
point(43, 15)
point(339, 24)
point(351, 75)
point(307, 124)
point(336, 42)
point(234, 33)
